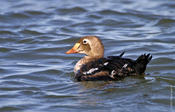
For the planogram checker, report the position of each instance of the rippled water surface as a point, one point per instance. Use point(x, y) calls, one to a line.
point(37, 76)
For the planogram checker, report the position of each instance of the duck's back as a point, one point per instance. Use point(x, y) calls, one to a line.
point(112, 68)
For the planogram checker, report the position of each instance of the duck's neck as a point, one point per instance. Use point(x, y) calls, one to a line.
point(85, 60)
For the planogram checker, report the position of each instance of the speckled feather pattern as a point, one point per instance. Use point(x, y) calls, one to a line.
point(112, 68)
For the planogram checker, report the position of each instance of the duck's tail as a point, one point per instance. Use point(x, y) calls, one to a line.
point(142, 62)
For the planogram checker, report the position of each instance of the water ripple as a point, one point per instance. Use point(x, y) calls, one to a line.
point(71, 11)
point(37, 75)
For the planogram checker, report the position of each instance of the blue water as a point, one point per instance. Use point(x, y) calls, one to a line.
point(37, 76)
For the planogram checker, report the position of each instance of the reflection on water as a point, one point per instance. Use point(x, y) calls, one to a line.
point(37, 75)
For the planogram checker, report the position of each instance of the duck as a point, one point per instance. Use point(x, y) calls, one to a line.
point(95, 67)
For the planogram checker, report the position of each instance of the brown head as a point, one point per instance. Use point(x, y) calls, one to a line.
point(89, 45)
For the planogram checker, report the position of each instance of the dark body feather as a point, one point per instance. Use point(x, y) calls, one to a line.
point(112, 68)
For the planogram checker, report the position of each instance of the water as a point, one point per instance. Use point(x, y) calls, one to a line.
point(36, 75)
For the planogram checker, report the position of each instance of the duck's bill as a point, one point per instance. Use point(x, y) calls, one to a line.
point(74, 49)
point(71, 51)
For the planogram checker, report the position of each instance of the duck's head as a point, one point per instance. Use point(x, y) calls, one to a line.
point(89, 45)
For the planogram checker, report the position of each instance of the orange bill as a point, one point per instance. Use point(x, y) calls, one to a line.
point(74, 49)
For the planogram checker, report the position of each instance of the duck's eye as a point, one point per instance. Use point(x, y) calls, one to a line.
point(84, 41)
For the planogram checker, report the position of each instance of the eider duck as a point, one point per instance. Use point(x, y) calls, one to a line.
point(94, 66)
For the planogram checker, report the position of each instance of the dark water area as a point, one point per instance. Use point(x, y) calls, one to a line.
point(37, 76)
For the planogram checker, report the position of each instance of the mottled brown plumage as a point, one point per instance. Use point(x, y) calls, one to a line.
point(94, 66)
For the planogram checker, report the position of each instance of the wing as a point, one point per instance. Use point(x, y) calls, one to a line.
point(110, 68)
point(94, 70)
point(120, 67)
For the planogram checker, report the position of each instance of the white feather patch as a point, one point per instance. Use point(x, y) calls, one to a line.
point(106, 63)
point(125, 65)
point(90, 71)
point(112, 74)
